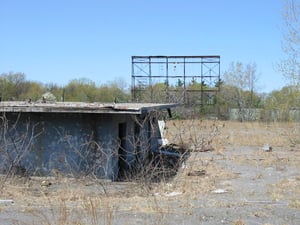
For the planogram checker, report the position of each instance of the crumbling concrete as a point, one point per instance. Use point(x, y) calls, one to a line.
point(76, 138)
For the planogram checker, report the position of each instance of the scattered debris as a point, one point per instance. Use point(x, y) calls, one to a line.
point(47, 97)
point(172, 194)
point(219, 191)
point(197, 173)
point(46, 183)
point(167, 160)
point(6, 201)
point(162, 126)
point(267, 148)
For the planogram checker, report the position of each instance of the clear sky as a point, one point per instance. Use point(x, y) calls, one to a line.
point(55, 41)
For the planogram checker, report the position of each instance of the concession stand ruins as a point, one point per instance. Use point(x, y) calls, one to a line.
point(78, 138)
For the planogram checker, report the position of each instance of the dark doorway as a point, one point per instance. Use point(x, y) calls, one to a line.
point(122, 164)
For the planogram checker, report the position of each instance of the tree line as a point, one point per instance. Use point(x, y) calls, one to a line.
point(15, 87)
point(238, 89)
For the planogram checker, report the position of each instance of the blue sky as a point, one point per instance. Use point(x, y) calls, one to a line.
point(55, 41)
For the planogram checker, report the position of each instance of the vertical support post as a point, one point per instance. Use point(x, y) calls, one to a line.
point(167, 80)
point(201, 87)
point(150, 78)
point(184, 83)
point(133, 87)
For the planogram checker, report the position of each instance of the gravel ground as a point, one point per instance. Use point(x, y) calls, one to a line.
point(238, 185)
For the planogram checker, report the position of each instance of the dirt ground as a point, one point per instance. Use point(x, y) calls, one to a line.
point(237, 173)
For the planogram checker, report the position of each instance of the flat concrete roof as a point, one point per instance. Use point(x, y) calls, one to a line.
point(82, 107)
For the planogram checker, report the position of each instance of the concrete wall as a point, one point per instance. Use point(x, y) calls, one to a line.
point(77, 144)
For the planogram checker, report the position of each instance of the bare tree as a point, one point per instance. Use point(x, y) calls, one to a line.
point(290, 66)
point(17, 139)
point(244, 78)
point(243, 81)
point(251, 78)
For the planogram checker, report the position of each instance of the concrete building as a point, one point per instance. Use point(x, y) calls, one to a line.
point(77, 138)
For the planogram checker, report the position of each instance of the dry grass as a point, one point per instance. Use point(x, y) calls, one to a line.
point(222, 133)
point(239, 222)
point(99, 201)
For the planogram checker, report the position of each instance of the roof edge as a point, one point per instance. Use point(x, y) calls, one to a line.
point(82, 107)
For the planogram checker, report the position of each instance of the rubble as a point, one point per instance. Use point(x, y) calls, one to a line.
point(267, 148)
point(197, 173)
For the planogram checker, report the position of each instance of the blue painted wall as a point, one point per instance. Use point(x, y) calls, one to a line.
point(71, 143)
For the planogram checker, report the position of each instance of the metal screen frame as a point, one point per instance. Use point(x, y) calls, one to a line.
point(146, 71)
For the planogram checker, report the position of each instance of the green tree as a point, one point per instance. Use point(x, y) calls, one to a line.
point(86, 90)
point(82, 89)
point(56, 90)
point(34, 91)
point(154, 93)
point(179, 83)
point(226, 99)
point(284, 99)
point(112, 92)
point(13, 85)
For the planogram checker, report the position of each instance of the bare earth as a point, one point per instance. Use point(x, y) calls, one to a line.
point(229, 178)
